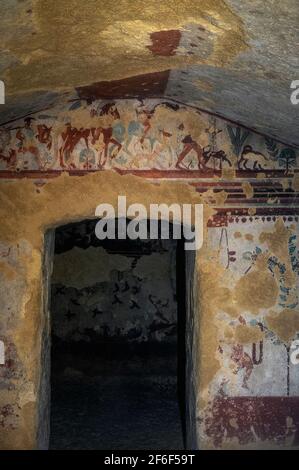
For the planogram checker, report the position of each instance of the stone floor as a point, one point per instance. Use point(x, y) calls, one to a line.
point(115, 412)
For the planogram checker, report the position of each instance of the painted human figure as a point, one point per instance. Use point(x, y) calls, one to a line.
point(112, 134)
point(25, 135)
point(44, 135)
point(71, 137)
point(163, 154)
point(8, 155)
point(243, 362)
point(140, 143)
point(27, 148)
point(10, 159)
point(144, 118)
point(190, 144)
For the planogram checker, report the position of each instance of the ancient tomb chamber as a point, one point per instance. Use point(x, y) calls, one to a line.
point(242, 320)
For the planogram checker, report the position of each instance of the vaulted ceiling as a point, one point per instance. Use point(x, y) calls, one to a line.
point(233, 58)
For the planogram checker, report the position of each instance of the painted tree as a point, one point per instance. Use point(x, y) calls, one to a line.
point(285, 157)
point(237, 137)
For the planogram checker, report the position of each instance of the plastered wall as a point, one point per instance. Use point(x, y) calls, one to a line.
point(245, 278)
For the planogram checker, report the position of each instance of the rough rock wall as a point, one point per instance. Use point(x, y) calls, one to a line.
point(191, 348)
point(44, 391)
point(246, 274)
point(214, 54)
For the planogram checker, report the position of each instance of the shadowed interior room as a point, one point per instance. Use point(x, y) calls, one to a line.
point(117, 348)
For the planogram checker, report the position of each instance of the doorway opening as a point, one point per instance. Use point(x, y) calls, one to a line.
point(118, 343)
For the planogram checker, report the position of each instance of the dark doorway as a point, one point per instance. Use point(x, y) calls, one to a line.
point(118, 347)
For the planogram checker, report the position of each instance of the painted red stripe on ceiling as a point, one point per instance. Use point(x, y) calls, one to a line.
point(145, 86)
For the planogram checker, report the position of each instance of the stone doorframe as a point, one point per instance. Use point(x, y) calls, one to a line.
point(44, 393)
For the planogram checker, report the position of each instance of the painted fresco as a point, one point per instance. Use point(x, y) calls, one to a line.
point(255, 342)
point(134, 135)
point(250, 285)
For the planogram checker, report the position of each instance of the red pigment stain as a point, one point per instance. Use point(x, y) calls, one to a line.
point(237, 417)
point(165, 43)
point(146, 85)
